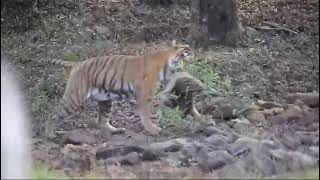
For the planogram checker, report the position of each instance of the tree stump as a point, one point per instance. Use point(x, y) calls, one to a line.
point(214, 22)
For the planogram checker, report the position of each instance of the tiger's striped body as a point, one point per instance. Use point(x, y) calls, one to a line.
point(109, 78)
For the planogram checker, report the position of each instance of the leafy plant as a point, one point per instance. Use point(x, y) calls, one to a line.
point(204, 71)
point(172, 118)
point(71, 56)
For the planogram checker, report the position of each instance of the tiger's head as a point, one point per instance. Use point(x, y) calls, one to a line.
point(181, 53)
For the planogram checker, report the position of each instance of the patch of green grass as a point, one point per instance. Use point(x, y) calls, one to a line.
point(41, 100)
point(205, 72)
point(304, 174)
point(21, 56)
point(171, 120)
point(169, 117)
point(42, 172)
point(71, 56)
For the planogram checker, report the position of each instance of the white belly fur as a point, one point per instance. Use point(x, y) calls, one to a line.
point(104, 95)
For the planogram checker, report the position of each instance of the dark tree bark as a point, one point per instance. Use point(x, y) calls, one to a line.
point(214, 22)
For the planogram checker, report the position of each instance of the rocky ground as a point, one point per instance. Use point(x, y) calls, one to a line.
point(261, 130)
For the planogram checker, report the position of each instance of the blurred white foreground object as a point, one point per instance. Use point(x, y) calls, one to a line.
point(15, 150)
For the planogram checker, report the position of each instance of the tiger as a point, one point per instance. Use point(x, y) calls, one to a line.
point(117, 77)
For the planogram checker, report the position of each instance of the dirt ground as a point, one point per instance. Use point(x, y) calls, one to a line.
point(265, 66)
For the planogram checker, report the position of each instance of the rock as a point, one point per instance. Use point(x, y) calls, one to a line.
point(209, 130)
point(105, 134)
point(302, 105)
point(238, 149)
point(149, 155)
point(234, 136)
point(257, 118)
point(217, 140)
point(241, 125)
point(223, 154)
point(316, 141)
point(290, 141)
point(102, 30)
point(273, 111)
point(261, 162)
point(207, 163)
point(115, 161)
point(131, 159)
point(214, 164)
point(224, 108)
point(169, 146)
point(269, 144)
point(191, 150)
point(306, 139)
point(107, 152)
point(224, 127)
point(314, 151)
point(294, 159)
point(268, 105)
point(77, 158)
point(214, 160)
point(279, 154)
point(305, 160)
point(79, 136)
point(292, 111)
point(242, 146)
point(248, 141)
point(311, 99)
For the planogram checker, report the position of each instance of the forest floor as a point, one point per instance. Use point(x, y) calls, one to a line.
point(276, 138)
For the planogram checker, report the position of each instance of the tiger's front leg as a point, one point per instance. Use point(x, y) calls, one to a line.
point(104, 112)
point(144, 110)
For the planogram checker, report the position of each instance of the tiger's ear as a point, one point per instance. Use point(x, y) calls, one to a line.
point(174, 43)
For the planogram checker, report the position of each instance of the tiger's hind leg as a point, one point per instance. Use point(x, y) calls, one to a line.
point(104, 112)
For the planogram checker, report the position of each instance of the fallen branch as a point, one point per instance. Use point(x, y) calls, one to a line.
point(275, 25)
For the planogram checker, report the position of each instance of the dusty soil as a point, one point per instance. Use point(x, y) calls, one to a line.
point(265, 66)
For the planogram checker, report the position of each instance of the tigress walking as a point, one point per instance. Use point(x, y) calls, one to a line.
point(116, 77)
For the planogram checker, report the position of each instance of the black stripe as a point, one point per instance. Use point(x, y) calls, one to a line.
point(165, 72)
point(94, 70)
point(113, 79)
point(122, 81)
point(90, 65)
point(118, 93)
point(130, 88)
point(67, 110)
point(111, 58)
point(101, 70)
point(122, 76)
point(74, 105)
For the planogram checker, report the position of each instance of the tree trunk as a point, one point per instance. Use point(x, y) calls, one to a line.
point(214, 22)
